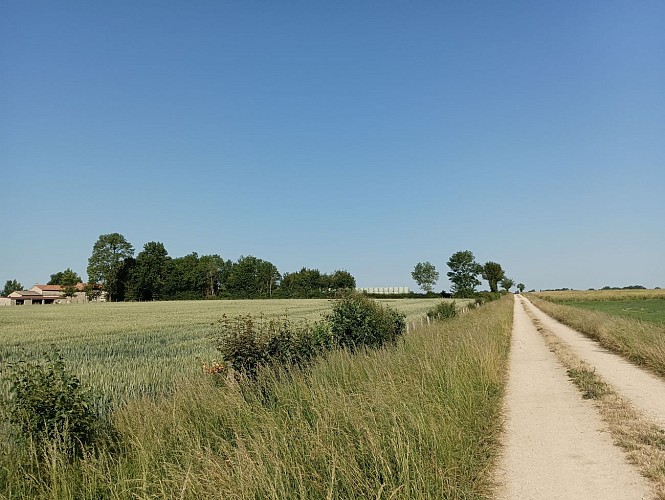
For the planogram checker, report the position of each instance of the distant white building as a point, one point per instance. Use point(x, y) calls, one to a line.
point(385, 290)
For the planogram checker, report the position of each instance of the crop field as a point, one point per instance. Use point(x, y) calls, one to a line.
point(421, 419)
point(646, 310)
point(600, 295)
point(646, 305)
point(129, 350)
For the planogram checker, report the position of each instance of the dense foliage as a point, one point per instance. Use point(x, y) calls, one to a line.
point(10, 287)
point(463, 274)
point(109, 264)
point(67, 279)
point(443, 310)
point(426, 275)
point(358, 321)
point(493, 273)
point(246, 342)
point(154, 275)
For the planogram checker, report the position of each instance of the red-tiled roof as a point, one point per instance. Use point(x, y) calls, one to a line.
point(57, 288)
point(49, 288)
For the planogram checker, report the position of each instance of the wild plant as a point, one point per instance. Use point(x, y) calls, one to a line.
point(48, 404)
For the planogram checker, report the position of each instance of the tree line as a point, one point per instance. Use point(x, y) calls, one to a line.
point(464, 275)
point(154, 275)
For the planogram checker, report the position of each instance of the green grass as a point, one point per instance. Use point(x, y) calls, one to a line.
point(419, 420)
point(130, 350)
point(600, 295)
point(646, 310)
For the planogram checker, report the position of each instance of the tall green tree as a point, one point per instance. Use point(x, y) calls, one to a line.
point(251, 277)
point(150, 273)
point(185, 281)
point(342, 280)
point(493, 273)
point(463, 274)
point(212, 272)
point(110, 263)
point(521, 287)
point(507, 283)
point(426, 275)
point(306, 283)
point(67, 279)
point(10, 287)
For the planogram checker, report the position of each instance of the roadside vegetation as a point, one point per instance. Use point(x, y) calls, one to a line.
point(642, 441)
point(642, 342)
point(419, 419)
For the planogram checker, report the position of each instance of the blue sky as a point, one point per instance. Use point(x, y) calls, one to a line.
point(359, 135)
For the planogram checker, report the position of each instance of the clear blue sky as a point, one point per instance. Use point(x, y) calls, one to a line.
point(359, 135)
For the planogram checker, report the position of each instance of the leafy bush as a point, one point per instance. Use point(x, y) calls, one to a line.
point(242, 343)
point(47, 403)
point(443, 310)
point(485, 297)
point(246, 343)
point(358, 321)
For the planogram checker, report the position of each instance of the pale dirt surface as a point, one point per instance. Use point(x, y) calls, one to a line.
point(644, 390)
point(554, 445)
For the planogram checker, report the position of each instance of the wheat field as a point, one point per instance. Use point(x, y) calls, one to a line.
point(126, 350)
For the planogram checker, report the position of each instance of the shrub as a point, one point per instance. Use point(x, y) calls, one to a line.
point(485, 297)
point(357, 321)
point(242, 343)
point(443, 310)
point(47, 403)
point(247, 343)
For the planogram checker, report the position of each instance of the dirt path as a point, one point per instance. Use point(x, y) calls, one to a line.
point(554, 443)
point(644, 390)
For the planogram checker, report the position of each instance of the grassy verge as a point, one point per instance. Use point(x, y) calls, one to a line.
point(642, 441)
point(640, 341)
point(652, 310)
point(420, 420)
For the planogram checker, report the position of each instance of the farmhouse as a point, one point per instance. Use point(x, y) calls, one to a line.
point(44, 294)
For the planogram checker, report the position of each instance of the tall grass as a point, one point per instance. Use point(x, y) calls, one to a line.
point(420, 420)
point(640, 341)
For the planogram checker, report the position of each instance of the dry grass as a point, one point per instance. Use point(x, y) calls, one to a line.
point(639, 341)
point(642, 441)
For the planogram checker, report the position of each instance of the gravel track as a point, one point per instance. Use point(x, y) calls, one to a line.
point(555, 445)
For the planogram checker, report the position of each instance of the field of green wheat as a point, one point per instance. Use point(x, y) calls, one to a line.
point(130, 349)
